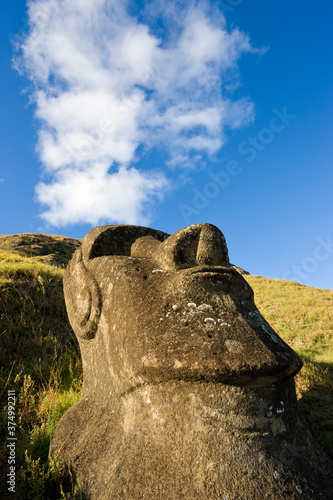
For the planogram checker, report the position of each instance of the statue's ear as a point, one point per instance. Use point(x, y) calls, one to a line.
point(82, 293)
point(82, 297)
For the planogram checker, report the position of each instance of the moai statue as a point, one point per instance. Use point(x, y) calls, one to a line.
point(188, 393)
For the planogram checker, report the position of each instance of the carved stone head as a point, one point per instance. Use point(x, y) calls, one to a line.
point(148, 307)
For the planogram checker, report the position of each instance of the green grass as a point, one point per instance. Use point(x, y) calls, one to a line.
point(303, 317)
point(40, 359)
point(14, 266)
point(303, 314)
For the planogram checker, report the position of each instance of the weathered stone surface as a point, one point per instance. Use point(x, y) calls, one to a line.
point(188, 392)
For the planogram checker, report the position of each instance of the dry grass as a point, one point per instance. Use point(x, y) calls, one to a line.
point(303, 317)
point(15, 267)
point(40, 360)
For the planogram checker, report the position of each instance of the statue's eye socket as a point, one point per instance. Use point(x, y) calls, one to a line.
point(118, 240)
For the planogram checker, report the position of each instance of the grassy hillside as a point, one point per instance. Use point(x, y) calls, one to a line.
point(303, 317)
point(46, 248)
point(40, 359)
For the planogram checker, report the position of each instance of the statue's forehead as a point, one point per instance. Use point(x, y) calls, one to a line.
point(116, 240)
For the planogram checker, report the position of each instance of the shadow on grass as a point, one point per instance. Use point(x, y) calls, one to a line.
point(314, 385)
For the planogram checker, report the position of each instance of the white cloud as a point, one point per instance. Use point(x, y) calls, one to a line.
point(91, 196)
point(81, 127)
point(106, 83)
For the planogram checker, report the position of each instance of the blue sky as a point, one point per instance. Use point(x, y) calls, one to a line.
point(133, 112)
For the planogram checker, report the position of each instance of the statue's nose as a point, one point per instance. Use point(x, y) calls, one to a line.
point(196, 245)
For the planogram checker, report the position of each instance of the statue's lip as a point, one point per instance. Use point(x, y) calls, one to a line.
point(210, 270)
